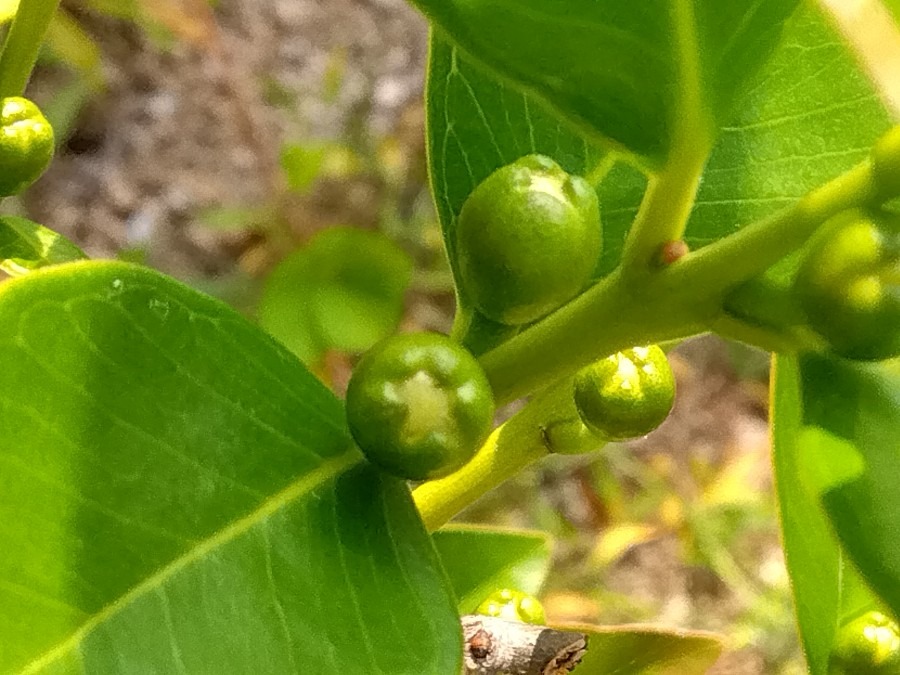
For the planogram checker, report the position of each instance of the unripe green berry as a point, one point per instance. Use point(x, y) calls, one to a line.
point(513, 605)
point(848, 284)
point(528, 240)
point(26, 144)
point(867, 645)
point(627, 394)
point(419, 405)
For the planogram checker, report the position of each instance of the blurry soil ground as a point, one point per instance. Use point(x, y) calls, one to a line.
point(182, 129)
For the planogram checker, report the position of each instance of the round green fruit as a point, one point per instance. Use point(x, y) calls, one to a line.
point(419, 405)
point(626, 395)
point(26, 144)
point(848, 284)
point(527, 240)
point(867, 645)
point(513, 605)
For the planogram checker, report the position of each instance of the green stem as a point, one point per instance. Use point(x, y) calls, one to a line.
point(20, 51)
point(523, 439)
point(671, 193)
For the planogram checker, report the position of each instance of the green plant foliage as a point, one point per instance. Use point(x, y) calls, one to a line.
point(854, 410)
point(506, 558)
point(809, 462)
point(27, 246)
point(807, 116)
point(867, 645)
point(513, 605)
point(626, 66)
point(343, 291)
point(643, 650)
point(158, 499)
point(26, 144)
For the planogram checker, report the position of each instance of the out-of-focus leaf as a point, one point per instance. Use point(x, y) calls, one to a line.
point(233, 218)
point(344, 291)
point(851, 447)
point(69, 43)
point(178, 494)
point(479, 561)
point(301, 164)
point(646, 650)
point(27, 246)
point(8, 9)
point(826, 587)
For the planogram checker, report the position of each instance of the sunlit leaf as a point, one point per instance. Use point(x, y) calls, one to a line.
point(27, 246)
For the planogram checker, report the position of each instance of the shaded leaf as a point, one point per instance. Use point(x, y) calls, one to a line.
point(851, 446)
point(27, 246)
point(178, 494)
point(826, 588)
point(344, 291)
point(479, 561)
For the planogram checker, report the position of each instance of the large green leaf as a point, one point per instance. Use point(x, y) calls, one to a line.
point(178, 494)
point(344, 290)
point(480, 560)
point(646, 650)
point(27, 246)
point(809, 115)
point(827, 588)
point(620, 71)
point(851, 418)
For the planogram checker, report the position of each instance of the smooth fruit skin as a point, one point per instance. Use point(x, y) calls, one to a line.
point(419, 406)
point(848, 284)
point(513, 605)
point(26, 144)
point(867, 645)
point(528, 240)
point(626, 395)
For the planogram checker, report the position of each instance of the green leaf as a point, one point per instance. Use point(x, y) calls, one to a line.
point(620, 71)
point(808, 115)
point(178, 494)
point(344, 291)
point(826, 588)
point(479, 561)
point(646, 650)
point(301, 164)
point(27, 246)
point(852, 413)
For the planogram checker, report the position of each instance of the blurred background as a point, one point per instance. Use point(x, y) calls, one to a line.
point(271, 153)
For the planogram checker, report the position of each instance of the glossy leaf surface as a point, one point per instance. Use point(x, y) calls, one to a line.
point(178, 494)
point(343, 291)
point(479, 561)
point(618, 71)
point(27, 246)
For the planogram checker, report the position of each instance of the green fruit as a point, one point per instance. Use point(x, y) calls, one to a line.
point(419, 405)
point(867, 645)
point(528, 240)
point(848, 284)
point(513, 606)
point(26, 144)
point(626, 395)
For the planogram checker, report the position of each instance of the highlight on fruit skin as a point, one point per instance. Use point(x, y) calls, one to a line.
point(419, 406)
point(528, 239)
point(627, 394)
point(513, 605)
point(866, 645)
point(848, 284)
point(26, 144)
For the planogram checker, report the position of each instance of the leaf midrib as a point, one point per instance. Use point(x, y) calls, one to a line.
point(323, 473)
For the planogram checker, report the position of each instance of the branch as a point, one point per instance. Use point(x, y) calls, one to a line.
point(496, 646)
